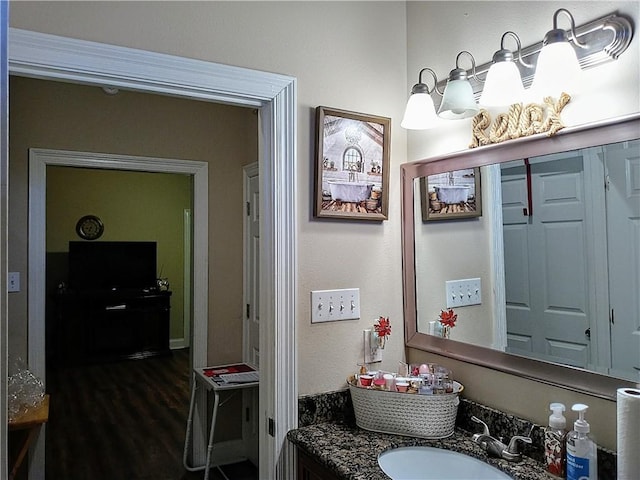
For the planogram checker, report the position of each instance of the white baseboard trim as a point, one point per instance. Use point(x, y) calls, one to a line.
point(178, 343)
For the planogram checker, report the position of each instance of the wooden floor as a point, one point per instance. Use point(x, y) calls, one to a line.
point(123, 421)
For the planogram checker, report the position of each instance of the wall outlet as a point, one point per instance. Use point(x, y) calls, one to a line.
point(372, 352)
point(461, 293)
point(13, 282)
point(332, 305)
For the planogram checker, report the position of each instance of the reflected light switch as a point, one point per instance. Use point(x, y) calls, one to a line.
point(461, 293)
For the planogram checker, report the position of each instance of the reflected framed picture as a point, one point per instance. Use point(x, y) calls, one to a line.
point(451, 195)
point(351, 165)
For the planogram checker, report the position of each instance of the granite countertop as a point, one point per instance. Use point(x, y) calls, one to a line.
point(351, 452)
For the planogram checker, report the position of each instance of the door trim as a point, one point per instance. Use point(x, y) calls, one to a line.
point(187, 315)
point(39, 55)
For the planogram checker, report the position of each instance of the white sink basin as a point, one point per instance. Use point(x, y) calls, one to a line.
point(428, 463)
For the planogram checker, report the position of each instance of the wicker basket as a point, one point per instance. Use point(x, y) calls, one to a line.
point(424, 416)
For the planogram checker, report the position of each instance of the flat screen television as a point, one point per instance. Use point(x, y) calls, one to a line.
point(112, 265)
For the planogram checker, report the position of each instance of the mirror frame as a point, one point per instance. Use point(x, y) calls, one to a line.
point(570, 138)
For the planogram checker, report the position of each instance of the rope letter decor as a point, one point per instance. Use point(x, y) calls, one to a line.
point(499, 131)
point(480, 123)
point(519, 122)
point(553, 124)
point(515, 111)
point(531, 120)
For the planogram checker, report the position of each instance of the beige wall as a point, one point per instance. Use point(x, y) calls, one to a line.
point(63, 116)
point(133, 206)
point(608, 91)
point(452, 250)
point(344, 55)
point(353, 56)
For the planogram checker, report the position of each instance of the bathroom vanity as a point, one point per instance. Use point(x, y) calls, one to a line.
point(330, 446)
point(339, 451)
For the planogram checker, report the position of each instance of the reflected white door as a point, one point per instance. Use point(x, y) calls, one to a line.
point(623, 234)
point(251, 330)
point(546, 258)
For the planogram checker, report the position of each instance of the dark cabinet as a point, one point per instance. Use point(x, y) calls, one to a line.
point(94, 326)
point(310, 469)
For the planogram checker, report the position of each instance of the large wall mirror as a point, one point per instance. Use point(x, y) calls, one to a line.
point(556, 248)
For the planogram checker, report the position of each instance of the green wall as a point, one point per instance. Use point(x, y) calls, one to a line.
point(133, 206)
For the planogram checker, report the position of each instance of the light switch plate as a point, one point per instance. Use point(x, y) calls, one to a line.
point(332, 305)
point(13, 282)
point(461, 293)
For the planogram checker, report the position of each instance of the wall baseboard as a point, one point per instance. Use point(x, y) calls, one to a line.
point(178, 343)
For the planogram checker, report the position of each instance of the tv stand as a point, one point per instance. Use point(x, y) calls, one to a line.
point(105, 325)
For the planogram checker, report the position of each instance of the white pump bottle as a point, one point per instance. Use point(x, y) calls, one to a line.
point(582, 453)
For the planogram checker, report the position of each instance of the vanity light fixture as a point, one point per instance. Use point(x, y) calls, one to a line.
point(558, 69)
point(420, 112)
point(503, 85)
point(598, 41)
point(458, 100)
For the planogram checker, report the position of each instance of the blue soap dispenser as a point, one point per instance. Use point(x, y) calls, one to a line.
point(582, 453)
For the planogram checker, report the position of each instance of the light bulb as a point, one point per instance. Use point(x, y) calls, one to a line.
point(503, 85)
point(420, 113)
point(458, 101)
point(558, 71)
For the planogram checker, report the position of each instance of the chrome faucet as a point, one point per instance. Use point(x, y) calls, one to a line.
point(495, 447)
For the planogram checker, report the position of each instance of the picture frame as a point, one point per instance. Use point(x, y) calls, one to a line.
point(451, 195)
point(351, 165)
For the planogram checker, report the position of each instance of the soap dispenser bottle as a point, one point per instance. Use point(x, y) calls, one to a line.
point(554, 441)
point(582, 454)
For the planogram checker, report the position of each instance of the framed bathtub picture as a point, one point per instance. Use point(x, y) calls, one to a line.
point(351, 165)
point(451, 195)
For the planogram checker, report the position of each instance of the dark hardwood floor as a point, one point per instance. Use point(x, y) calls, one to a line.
point(123, 421)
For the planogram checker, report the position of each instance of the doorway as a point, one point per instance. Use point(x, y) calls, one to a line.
point(47, 56)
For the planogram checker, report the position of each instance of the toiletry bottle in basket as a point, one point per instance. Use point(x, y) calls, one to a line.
point(554, 441)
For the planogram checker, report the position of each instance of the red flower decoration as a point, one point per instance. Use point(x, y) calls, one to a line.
point(383, 327)
point(448, 318)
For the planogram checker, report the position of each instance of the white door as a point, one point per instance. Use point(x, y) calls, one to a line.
point(251, 334)
point(251, 330)
point(623, 233)
point(546, 251)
